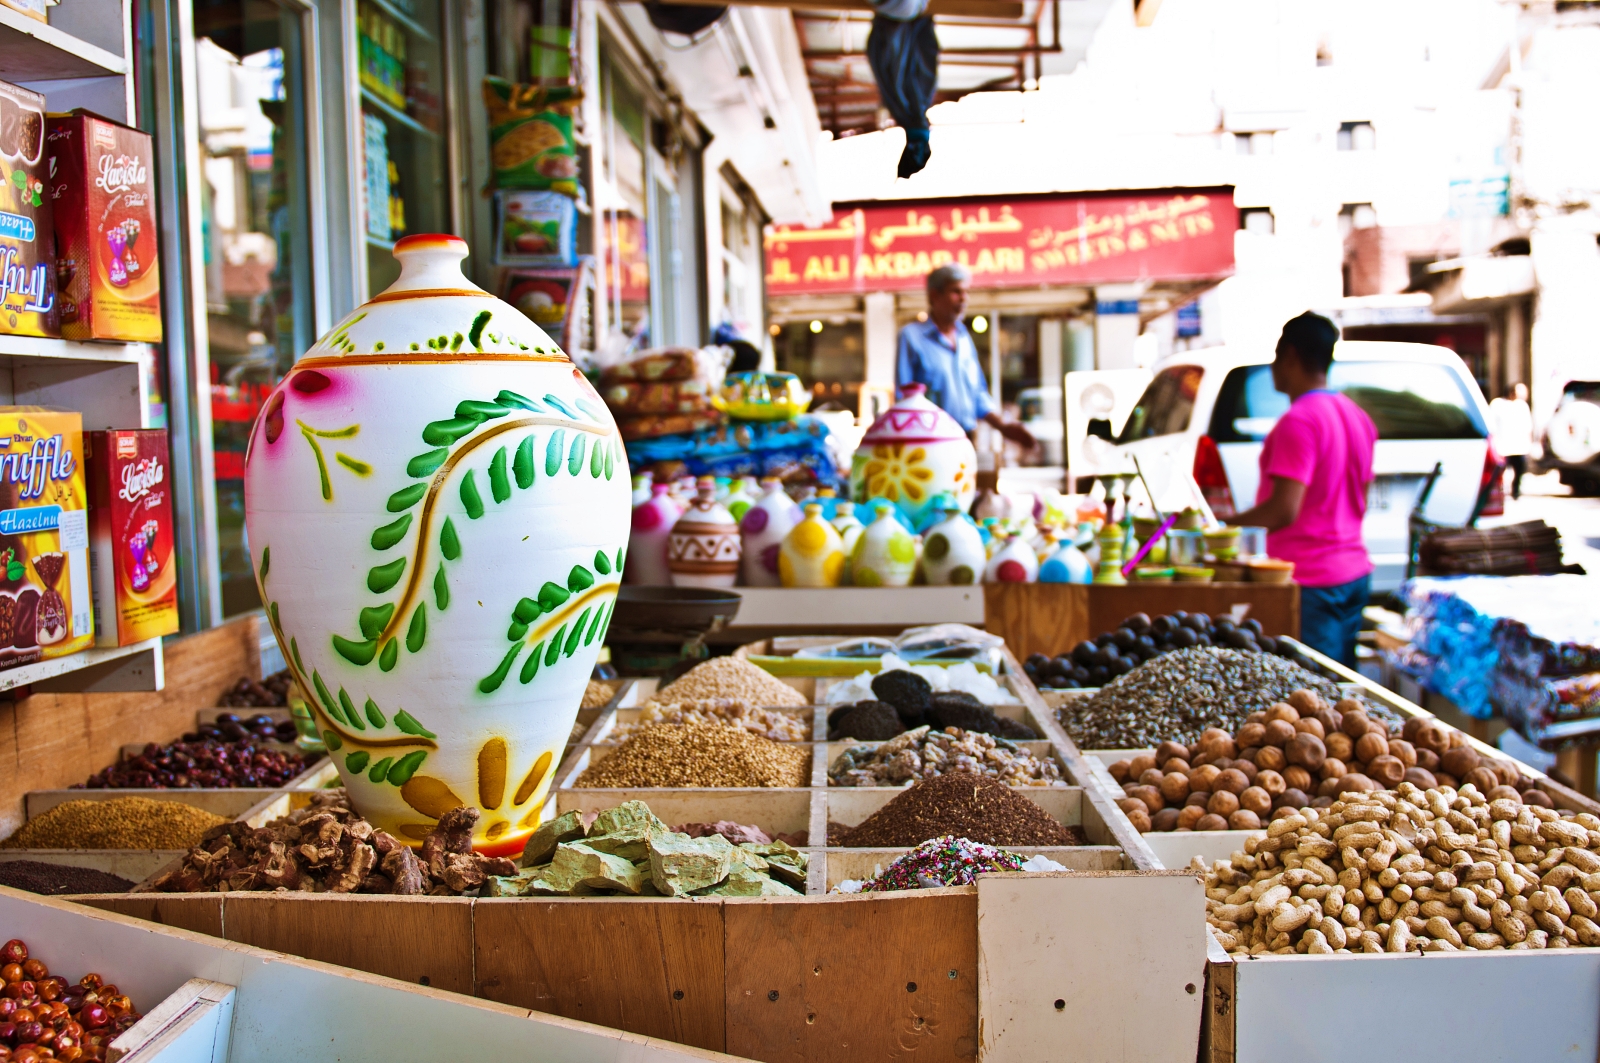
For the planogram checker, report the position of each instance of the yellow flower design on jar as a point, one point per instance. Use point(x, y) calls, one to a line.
point(897, 471)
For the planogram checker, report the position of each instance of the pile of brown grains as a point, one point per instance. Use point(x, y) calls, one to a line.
point(597, 693)
point(120, 823)
point(732, 678)
point(54, 880)
point(974, 807)
point(768, 723)
point(673, 754)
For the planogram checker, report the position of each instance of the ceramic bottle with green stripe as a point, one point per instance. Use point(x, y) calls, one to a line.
point(437, 503)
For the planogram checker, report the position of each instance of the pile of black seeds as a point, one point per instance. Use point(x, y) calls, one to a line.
point(908, 692)
point(865, 721)
point(54, 880)
point(909, 695)
point(957, 708)
point(968, 806)
point(1176, 696)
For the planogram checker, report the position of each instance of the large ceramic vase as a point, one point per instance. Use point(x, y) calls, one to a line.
point(437, 505)
point(910, 455)
point(703, 550)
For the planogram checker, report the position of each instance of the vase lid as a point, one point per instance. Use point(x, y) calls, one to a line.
point(913, 419)
point(433, 313)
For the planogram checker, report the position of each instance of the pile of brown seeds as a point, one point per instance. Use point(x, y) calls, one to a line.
point(597, 693)
point(695, 755)
point(1177, 696)
point(969, 806)
point(733, 678)
point(768, 723)
point(120, 823)
point(53, 880)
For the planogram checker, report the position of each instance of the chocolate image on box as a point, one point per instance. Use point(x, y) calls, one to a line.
point(30, 136)
point(10, 118)
point(52, 620)
point(8, 619)
point(27, 621)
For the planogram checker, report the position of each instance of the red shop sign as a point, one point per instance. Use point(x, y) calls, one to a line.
point(1025, 243)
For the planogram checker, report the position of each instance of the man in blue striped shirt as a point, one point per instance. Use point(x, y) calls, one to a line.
point(939, 354)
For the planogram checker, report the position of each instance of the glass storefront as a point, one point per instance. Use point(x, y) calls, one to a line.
point(298, 140)
point(255, 216)
point(405, 168)
point(829, 358)
point(621, 199)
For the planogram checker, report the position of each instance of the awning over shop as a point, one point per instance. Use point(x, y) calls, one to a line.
point(1027, 242)
point(1480, 282)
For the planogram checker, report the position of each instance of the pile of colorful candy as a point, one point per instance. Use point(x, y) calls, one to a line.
point(943, 861)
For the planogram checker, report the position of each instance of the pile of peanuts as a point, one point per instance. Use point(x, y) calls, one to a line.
point(1298, 753)
point(1405, 870)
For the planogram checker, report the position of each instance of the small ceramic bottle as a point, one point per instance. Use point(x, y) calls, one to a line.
point(812, 554)
point(849, 528)
point(647, 542)
point(885, 555)
point(1067, 565)
point(1013, 562)
point(829, 498)
point(763, 526)
point(703, 550)
point(952, 550)
point(741, 496)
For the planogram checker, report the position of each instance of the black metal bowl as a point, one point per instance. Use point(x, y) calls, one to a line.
point(645, 607)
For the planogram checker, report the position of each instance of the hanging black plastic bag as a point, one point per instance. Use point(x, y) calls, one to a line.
point(903, 51)
point(685, 19)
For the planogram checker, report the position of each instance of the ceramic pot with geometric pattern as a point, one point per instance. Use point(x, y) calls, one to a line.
point(703, 550)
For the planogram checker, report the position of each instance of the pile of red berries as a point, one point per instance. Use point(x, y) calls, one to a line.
point(43, 1017)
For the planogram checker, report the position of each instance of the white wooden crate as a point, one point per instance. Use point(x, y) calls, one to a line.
point(285, 1008)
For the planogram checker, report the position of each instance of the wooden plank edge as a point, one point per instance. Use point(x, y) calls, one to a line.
point(1083, 773)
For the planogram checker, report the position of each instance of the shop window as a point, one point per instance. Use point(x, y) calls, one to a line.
point(256, 231)
point(1357, 136)
point(1018, 336)
point(1253, 143)
point(405, 167)
point(620, 197)
point(742, 291)
point(829, 358)
point(1356, 216)
point(1257, 220)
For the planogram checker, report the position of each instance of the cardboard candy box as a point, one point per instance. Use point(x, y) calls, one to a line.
point(45, 609)
point(131, 549)
point(102, 179)
point(27, 256)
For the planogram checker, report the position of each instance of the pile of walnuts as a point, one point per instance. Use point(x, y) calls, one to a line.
point(1297, 753)
point(1408, 869)
point(328, 848)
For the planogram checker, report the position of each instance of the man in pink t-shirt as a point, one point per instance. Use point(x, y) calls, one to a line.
point(1316, 464)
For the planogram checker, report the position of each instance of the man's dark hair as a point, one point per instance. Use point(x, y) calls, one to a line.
point(1312, 336)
